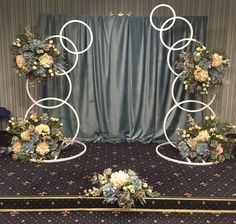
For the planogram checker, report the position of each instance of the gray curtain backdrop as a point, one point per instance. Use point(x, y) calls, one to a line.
point(122, 85)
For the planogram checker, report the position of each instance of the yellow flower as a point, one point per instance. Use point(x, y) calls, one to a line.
point(213, 117)
point(198, 49)
point(216, 60)
point(46, 60)
point(33, 116)
point(219, 149)
point(40, 51)
point(25, 136)
point(20, 61)
point(16, 148)
point(145, 185)
point(201, 75)
point(42, 129)
point(132, 190)
point(42, 148)
point(198, 54)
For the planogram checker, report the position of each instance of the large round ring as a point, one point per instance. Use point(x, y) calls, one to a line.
point(62, 101)
point(89, 29)
point(151, 15)
point(73, 45)
point(190, 38)
point(56, 160)
point(188, 110)
point(172, 47)
point(188, 162)
point(50, 107)
point(180, 103)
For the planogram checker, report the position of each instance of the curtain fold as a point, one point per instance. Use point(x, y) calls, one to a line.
point(122, 84)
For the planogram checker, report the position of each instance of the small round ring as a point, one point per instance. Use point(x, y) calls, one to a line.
point(91, 36)
point(151, 15)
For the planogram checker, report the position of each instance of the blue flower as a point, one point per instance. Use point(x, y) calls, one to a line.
point(203, 149)
point(109, 192)
point(184, 150)
point(136, 182)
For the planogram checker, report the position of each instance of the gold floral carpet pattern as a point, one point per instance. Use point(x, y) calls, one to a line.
point(71, 178)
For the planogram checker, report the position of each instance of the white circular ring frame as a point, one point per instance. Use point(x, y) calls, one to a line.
point(50, 107)
point(76, 133)
point(73, 45)
point(91, 37)
point(178, 104)
point(62, 102)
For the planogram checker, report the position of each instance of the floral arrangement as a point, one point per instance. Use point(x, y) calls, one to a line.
point(38, 137)
point(203, 70)
point(123, 187)
point(208, 143)
point(36, 59)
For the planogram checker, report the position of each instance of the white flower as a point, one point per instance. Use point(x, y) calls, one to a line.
point(119, 178)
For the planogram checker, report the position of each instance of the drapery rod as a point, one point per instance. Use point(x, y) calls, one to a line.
point(120, 14)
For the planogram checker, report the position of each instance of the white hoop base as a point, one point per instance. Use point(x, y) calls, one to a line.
point(188, 162)
point(56, 160)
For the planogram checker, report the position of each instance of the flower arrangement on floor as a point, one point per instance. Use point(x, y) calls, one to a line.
point(123, 187)
point(208, 143)
point(203, 70)
point(36, 59)
point(38, 137)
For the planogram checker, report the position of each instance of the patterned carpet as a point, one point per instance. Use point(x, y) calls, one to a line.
point(115, 218)
point(71, 178)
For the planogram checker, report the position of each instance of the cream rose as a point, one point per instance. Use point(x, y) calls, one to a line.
point(203, 136)
point(219, 150)
point(201, 75)
point(42, 129)
point(46, 60)
point(20, 61)
point(217, 60)
point(192, 143)
point(119, 178)
point(42, 148)
point(16, 148)
point(25, 136)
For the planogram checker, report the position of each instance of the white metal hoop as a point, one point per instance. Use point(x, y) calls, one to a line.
point(188, 110)
point(173, 49)
point(50, 107)
point(73, 45)
point(56, 160)
point(154, 9)
point(62, 101)
point(190, 38)
point(178, 104)
point(188, 162)
point(89, 29)
point(175, 106)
